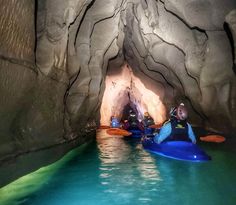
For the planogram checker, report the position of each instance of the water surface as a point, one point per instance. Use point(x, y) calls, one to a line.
point(118, 171)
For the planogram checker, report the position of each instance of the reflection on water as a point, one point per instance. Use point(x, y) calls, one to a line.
point(118, 171)
point(126, 170)
point(16, 192)
point(136, 176)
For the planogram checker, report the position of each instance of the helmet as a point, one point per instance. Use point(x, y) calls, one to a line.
point(181, 112)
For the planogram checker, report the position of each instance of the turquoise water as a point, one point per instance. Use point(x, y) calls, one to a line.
point(117, 171)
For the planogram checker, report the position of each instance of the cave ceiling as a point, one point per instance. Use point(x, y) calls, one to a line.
point(180, 50)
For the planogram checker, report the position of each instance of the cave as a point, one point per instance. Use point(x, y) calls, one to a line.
point(67, 66)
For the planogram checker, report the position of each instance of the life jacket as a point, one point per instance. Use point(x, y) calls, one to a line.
point(179, 131)
point(134, 124)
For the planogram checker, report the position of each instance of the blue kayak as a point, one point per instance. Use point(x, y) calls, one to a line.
point(180, 150)
point(148, 131)
point(136, 133)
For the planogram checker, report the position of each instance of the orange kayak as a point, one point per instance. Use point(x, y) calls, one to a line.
point(117, 131)
point(104, 127)
point(213, 138)
point(156, 126)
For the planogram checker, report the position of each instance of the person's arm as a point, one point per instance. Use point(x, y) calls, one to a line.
point(165, 131)
point(191, 134)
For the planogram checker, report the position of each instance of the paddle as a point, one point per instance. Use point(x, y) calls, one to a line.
point(213, 138)
point(156, 126)
point(117, 131)
point(104, 127)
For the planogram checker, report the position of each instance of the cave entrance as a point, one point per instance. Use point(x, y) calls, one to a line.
point(124, 91)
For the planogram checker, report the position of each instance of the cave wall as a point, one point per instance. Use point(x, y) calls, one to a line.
point(34, 84)
point(18, 73)
point(55, 54)
point(186, 45)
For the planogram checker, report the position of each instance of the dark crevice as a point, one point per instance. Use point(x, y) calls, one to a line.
point(23, 63)
point(184, 22)
point(35, 27)
point(82, 20)
point(73, 80)
point(231, 40)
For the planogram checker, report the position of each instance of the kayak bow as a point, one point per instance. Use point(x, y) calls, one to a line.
point(180, 150)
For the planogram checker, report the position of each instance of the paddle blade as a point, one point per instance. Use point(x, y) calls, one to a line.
point(104, 127)
point(213, 138)
point(156, 126)
point(117, 131)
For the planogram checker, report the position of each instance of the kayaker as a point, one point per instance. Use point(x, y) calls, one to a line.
point(146, 122)
point(177, 128)
point(115, 122)
point(133, 120)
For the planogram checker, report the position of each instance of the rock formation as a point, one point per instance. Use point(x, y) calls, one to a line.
point(55, 56)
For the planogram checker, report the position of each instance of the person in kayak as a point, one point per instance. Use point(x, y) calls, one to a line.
point(146, 122)
point(177, 128)
point(115, 122)
point(133, 120)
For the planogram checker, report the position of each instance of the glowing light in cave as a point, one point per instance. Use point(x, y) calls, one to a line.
point(19, 189)
point(124, 88)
